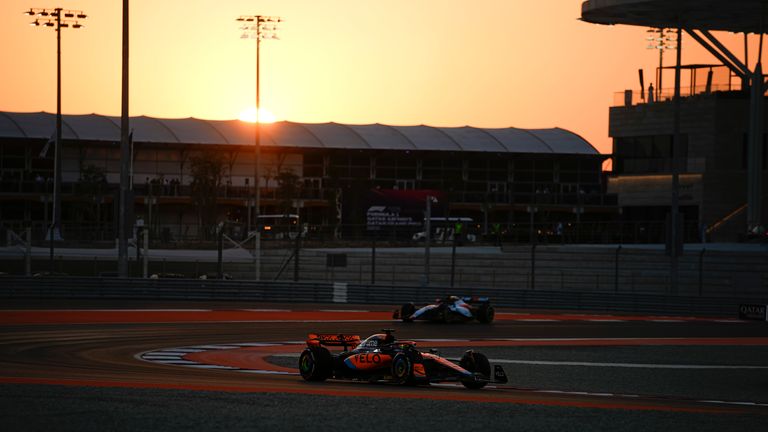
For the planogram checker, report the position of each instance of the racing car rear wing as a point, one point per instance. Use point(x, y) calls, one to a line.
point(342, 340)
point(476, 299)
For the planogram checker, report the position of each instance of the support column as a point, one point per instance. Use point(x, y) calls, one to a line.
point(755, 152)
point(675, 219)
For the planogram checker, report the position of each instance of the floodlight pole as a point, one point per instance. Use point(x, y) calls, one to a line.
point(675, 218)
point(427, 235)
point(659, 43)
point(56, 211)
point(257, 158)
point(125, 155)
point(254, 26)
point(55, 226)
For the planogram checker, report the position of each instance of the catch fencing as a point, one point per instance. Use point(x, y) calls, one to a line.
point(95, 288)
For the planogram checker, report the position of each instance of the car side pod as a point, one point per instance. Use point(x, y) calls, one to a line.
point(499, 376)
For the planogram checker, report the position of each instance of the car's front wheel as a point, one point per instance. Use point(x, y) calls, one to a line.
point(315, 364)
point(476, 363)
point(402, 369)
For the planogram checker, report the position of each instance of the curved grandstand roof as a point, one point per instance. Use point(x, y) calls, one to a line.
point(739, 16)
point(93, 127)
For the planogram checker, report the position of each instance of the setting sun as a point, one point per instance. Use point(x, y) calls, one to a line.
point(265, 116)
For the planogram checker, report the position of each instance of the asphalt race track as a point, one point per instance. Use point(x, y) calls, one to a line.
point(202, 366)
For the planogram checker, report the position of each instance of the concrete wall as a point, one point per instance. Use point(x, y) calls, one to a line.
point(715, 125)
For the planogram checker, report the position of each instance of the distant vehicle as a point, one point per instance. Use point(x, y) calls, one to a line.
point(382, 358)
point(281, 226)
point(443, 230)
point(167, 276)
point(449, 309)
point(50, 274)
point(224, 276)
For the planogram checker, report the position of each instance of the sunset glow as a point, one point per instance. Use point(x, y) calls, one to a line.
point(397, 63)
point(249, 115)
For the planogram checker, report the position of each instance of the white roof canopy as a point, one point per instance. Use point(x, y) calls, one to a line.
point(93, 127)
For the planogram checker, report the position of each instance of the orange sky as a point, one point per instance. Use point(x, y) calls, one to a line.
point(490, 63)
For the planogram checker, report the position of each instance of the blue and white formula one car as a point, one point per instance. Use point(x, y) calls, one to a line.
point(449, 309)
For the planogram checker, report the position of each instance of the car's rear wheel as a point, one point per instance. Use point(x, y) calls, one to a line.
point(486, 313)
point(402, 369)
point(406, 311)
point(476, 363)
point(444, 314)
point(315, 364)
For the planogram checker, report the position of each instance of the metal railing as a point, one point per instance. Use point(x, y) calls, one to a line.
point(543, 192)
point(701, 272)
point(556, 230)
point(194, 289)
point(563, 228)
point(635, 97)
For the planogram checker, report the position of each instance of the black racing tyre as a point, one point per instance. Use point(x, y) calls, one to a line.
point(486, 313)
point(444, 314)
point(476, 363)
point(402, 369)
point(406, 311)
point(315, 364)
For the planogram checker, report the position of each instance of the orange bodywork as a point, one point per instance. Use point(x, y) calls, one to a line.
point(315, 340)
point(444, 362)
point(367, 361)
point(418, 371)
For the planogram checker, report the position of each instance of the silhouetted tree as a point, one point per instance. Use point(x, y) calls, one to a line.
point(288, 189)
point(90, 188)
point(207, 171)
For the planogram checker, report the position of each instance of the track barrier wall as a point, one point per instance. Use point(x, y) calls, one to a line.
point(18, 287)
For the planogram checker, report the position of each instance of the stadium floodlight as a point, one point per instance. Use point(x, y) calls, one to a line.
point(661, 39)
point(259, 31)
point(54, 229)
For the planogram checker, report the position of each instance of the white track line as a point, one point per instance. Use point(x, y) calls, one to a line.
point(267, 372)
point(106, 310)
point(162, 357)
point(258, 344)
point(177, 362)
point(215, 347)
point(624, 365)
point(343, 310)
point(266, 310)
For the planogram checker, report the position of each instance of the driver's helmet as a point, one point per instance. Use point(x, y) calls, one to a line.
point(388, 339)
point(452, 299)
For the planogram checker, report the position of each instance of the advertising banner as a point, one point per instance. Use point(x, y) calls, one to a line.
point(753, 312)
point(401, 208)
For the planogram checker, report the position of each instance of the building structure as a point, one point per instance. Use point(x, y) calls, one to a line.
point(701, 146)
point(713, 163)
point(323, 172)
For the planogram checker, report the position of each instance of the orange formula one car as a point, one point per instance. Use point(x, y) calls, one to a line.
point(382, 358)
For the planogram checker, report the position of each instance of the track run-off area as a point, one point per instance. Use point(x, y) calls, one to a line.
point(567, 371)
